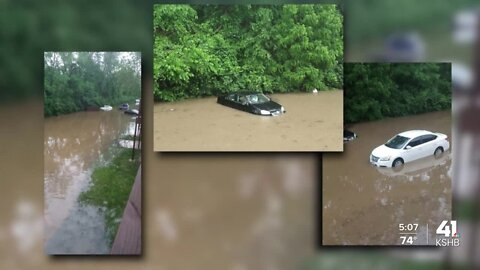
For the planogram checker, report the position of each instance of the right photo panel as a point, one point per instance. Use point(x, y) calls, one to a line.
point(392, 185)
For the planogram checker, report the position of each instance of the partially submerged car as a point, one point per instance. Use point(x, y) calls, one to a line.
point(124, 107)
point(132, 111)
point(252, 102)
point(106, 108)
point(349, 135)
point(409, 146)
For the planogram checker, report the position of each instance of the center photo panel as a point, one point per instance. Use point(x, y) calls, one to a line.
point(265, 78)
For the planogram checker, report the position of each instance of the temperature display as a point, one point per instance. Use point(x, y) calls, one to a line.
point(408, 233)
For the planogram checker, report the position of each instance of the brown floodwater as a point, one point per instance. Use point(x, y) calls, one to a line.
point(313, 122)
point(215, 222)
point(73, 145)
point(364, 205)
point(230, 211)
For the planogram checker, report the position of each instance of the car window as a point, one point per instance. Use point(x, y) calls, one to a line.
point(232, 97)
point(415, 142)
point(397, 142)
point(429, 138)
point(242, 100)
point(257, 98)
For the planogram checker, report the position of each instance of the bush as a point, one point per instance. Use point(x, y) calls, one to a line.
point(207, 50)
point(376, 91)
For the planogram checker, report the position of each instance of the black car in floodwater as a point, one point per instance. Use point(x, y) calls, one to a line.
point(132, 112)
point(349, 135)
point(252, 102)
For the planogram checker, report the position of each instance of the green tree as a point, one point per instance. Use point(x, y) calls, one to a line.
point(375, 91)
point(203, 50)
point(76, 81)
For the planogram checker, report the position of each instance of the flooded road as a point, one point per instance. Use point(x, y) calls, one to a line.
point(313, 122)
point(73, 145)
point(363, 205)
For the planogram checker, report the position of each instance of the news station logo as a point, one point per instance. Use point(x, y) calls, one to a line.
point(449, 235)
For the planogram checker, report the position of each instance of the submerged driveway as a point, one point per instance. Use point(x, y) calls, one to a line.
point(313, 122)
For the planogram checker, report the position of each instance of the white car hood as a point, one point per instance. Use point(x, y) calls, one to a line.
point(383, 151)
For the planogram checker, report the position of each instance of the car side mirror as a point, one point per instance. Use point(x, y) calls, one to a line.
point(408, 147)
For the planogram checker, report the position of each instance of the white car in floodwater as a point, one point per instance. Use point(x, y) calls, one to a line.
point(106, 108)
point(409, 146)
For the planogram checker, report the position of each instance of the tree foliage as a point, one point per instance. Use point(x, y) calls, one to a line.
point(76, 81)
point(210, 49)
point(375, 91)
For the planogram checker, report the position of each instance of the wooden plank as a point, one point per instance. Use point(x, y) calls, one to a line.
point(128, 240)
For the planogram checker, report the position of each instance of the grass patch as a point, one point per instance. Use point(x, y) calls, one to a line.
point(110, 188)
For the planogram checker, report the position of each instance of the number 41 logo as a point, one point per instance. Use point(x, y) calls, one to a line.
point(448, 230)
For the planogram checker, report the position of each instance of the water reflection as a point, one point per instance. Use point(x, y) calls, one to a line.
point(27, 226)
point(363, 204)
point(418, 169)
point(73, 145)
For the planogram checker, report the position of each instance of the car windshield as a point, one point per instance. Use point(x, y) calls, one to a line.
point(397, 142)
point(257, 98)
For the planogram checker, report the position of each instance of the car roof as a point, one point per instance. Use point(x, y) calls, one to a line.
point(244, 93)
point(414, 133)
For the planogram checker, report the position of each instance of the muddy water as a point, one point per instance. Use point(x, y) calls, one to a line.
point(313, 122)
point(198, 212)
point(227, 211)
point(363, 205)
point(73, 145)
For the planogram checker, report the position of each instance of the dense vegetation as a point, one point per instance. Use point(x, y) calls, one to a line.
point(76, 81)
point(110, 188)
point(202, 50)
point(376, 91)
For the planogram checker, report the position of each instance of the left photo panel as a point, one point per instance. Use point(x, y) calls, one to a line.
point(92, 153)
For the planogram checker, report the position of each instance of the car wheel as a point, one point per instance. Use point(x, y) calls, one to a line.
point(438, 152)
point(397, 163)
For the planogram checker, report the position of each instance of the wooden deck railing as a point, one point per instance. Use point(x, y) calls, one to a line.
point(128, 240)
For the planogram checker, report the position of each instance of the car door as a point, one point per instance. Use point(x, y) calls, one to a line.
point(412, 150)
point(243, 103)
point(239, 102)
point(231, 100)
point(424, 146)
point(429, 145)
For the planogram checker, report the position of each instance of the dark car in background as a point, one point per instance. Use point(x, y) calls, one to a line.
point(349, 135)
point(124, 107)
point(132, 112)
point(252, 102)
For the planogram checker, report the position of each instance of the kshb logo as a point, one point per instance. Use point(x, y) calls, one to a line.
point(448, 231)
